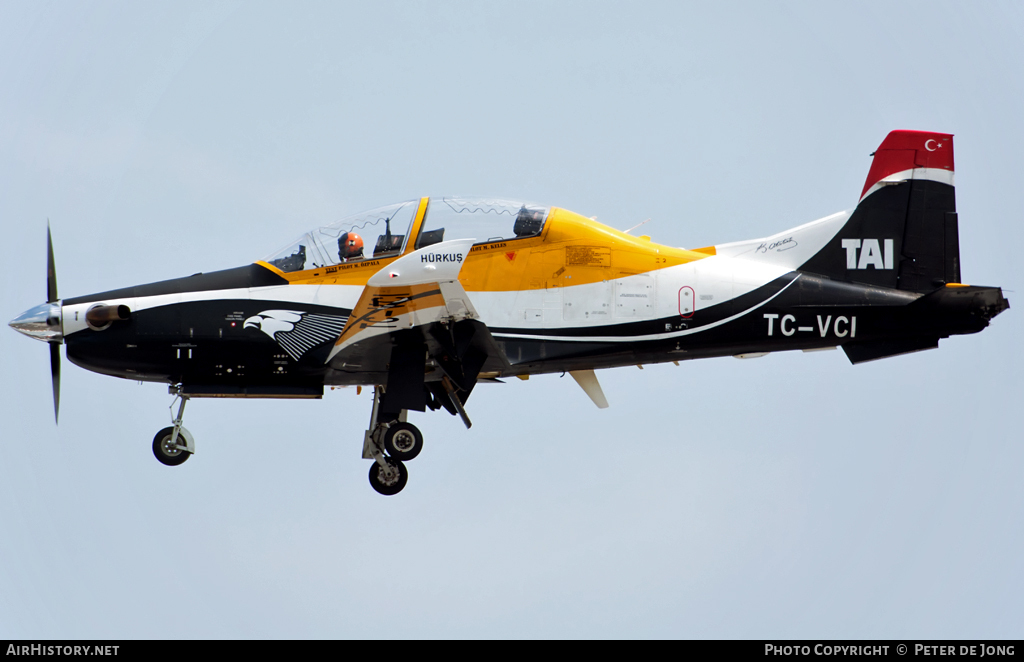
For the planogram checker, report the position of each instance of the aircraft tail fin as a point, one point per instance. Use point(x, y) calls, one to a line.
point(903, 233)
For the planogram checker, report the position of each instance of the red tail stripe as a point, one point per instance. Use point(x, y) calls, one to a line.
point(906, 150)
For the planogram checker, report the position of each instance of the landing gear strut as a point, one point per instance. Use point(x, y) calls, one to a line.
point(389, 442)
point(173, 445)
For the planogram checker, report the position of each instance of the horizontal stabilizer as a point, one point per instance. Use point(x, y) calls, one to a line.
point(880, 349)
point(984, 302)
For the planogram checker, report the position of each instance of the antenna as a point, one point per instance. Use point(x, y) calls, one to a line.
point(634, 227)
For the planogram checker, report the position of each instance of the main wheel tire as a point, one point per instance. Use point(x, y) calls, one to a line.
point(380, 482)
point(403, 441)
point(163, 450)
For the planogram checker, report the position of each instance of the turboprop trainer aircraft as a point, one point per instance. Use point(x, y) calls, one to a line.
point(425, 299)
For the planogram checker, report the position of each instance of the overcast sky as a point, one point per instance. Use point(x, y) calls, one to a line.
point(790, 496)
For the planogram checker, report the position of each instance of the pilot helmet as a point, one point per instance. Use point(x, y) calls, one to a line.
point(350, 245)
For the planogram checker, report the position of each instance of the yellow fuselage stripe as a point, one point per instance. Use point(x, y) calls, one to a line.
point(572, 250)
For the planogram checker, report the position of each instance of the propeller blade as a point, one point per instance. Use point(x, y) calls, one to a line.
point(51, 297)
point(51, 269)
point(55, 374)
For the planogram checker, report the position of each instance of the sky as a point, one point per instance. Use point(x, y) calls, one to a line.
point(790, 496)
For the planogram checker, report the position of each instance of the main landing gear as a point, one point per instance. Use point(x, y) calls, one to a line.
point(389, 442)
point(173, 445)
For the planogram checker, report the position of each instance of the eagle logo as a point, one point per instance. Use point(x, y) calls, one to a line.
point(297, 332)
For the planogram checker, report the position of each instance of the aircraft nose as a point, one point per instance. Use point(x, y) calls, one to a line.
point(42, 323)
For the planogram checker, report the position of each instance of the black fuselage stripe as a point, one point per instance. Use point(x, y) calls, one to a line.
point(654, 327)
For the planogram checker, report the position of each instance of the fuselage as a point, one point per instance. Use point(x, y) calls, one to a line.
point(577, 295)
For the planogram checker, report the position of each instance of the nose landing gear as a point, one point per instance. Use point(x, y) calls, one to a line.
point(173, 445)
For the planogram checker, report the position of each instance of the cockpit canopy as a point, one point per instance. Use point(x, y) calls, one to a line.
point(483, 219)
point(384, 232)
point(347, 240)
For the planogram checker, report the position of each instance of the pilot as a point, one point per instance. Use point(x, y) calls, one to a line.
point(350, 246)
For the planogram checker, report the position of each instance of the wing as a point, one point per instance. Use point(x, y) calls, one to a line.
point(414, 325)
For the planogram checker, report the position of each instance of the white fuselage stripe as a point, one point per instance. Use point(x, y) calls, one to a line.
point(333, 296)
point(930, 174)
point(653, 336)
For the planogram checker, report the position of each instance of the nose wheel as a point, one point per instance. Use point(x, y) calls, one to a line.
point(173, 445)
point(167, 449)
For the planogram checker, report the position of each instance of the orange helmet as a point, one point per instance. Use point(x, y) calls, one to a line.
point(350, 245)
